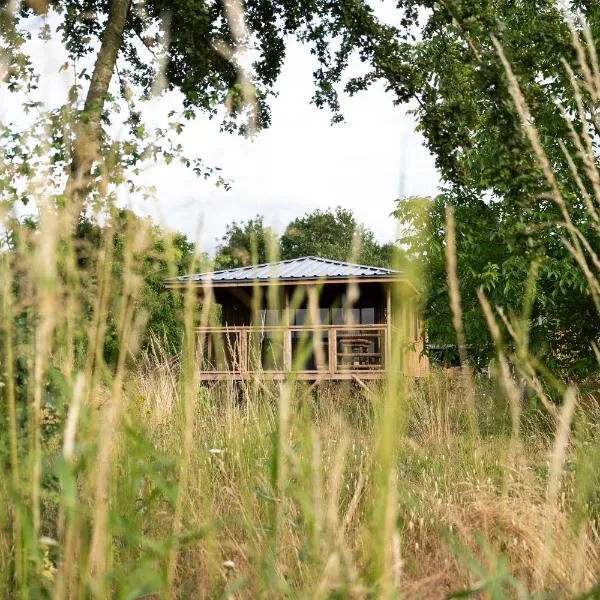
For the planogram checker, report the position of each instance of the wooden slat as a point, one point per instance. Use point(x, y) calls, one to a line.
point(266, 328)
point(279, 376)
point(360, 353)
point(357, 368)
point(335, 367)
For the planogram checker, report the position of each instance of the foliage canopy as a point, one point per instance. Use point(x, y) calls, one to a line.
point(506, 216)
point(332, 233)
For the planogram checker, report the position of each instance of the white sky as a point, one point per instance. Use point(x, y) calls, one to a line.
point(301, 163)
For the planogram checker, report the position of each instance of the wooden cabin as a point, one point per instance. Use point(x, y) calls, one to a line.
point(318, 319)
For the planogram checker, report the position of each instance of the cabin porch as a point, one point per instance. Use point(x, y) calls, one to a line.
point(307, 352)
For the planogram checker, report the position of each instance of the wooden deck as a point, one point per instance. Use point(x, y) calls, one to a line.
point(326, 352)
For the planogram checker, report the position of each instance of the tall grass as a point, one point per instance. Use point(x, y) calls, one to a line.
point(131, 479)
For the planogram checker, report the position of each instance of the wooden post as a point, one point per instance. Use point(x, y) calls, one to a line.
point(388, 330)
point(331, 342)
point(287, 335)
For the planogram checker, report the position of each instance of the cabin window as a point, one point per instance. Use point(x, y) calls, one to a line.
point(357, 316)
point(367, 316)
point(302, 316)
point(335, 316)
point(270, 317)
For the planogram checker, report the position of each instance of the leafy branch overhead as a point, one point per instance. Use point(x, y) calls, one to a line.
point(195, 47)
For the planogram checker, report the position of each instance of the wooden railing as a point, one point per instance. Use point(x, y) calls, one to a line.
point(324, 349)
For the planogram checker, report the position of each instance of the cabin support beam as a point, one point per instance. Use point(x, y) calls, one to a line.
point(388, 329)
point(332, 347)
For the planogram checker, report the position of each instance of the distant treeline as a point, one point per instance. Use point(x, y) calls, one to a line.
point(557, 331)
point(156, 254)
point(333, 234)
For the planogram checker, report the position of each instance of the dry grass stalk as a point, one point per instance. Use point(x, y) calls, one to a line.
point(457, 317)
point(126, 327)
point(559, 453)
point(189, 374)
point(44, 269)
point(315, 319)
point(512, 391)
point(238, 55)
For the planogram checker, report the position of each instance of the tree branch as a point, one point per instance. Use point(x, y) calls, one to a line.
point(89, 131)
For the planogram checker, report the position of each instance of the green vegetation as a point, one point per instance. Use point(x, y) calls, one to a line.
point(333, 234)
point(494, 255)
point(122, 477)
point(158, 255)
point(506, 210)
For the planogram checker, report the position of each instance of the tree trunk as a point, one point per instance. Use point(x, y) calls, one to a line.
point(86, 148)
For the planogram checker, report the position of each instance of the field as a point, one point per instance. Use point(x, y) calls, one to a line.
point(124, 476)
point(158, 487)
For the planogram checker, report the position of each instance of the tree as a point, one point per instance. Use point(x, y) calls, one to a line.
point(493, 257)
point(160, 255)
point(507, 213)
point(453, 73)
point(334, 234)
point(243, 244)
point(327, 234)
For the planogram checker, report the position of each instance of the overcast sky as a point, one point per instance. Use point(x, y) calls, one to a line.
point(301, 163)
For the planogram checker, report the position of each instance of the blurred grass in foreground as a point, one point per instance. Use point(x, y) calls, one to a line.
point(127, 479)
point(122, 477)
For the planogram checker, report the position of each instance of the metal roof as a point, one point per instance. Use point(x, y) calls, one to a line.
point(307, 267)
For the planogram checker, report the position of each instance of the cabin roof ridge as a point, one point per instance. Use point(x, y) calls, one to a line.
point(346, 263)
point(293, 269)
